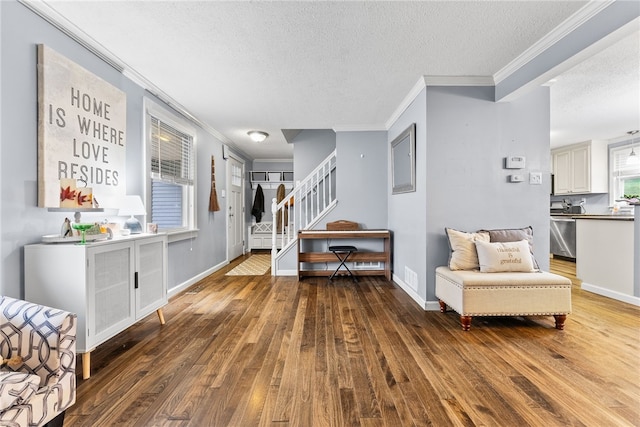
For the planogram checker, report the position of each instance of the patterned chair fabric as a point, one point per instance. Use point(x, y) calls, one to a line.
point(45, 338)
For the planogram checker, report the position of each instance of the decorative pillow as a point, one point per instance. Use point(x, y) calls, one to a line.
point(463, 250)
point(16, 388)
point(514, 235)
point(495, 257)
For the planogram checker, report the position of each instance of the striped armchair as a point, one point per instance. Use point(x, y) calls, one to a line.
point(37, 390)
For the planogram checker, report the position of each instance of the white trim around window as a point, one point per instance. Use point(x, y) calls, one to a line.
point(180, 126)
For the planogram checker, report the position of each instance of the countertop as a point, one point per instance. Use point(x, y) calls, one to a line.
point(596, 216)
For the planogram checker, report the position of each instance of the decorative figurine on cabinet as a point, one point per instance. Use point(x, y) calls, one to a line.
point(66, 230)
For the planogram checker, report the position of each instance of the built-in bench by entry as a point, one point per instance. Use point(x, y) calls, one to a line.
point(494, 273)
point(472, 293)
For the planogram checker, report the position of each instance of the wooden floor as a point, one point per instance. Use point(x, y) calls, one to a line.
point(265, 351)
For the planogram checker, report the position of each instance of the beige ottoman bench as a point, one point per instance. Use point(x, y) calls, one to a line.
point(472, 293)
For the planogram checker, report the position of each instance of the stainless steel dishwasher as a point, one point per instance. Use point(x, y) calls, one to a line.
point(563, 237)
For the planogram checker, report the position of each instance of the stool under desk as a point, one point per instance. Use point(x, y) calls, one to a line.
point(359, 256)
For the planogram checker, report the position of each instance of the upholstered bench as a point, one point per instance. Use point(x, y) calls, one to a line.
point(473, 293)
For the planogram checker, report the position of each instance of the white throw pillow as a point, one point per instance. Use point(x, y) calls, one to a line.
point(463, 249)
point(495, 257)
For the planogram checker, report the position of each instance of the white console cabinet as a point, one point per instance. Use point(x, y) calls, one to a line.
point(109, 284)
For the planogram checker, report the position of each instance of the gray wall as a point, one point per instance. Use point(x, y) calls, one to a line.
point(407, 211)
point(310, 147)
point(468, 137)
point(21, 221)
point(462, 138)
point(362, 175)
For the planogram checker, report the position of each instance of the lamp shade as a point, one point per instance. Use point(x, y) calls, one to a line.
point(130, 206)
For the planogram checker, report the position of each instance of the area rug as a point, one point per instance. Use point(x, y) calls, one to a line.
point(255, 265)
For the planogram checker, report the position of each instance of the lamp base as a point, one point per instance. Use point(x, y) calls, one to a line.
point(133, 225)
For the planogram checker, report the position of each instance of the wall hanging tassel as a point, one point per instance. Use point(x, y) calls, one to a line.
point(213, 197)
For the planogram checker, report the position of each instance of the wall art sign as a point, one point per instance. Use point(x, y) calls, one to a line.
point(81, 134)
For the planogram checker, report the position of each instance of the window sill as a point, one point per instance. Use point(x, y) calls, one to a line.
point(178, 235)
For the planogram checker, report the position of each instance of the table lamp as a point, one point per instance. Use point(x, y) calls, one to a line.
point(132, 205)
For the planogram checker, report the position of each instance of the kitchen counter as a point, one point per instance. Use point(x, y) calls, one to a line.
point(607, 217)
point(619, 217)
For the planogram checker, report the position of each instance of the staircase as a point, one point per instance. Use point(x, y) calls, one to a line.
point(303, 207)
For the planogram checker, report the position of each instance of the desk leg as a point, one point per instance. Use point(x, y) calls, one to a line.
point(298, 260)
point(86, 365)
point(160, 316)
point(387, 263)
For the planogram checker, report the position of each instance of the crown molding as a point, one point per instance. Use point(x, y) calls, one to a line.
point(425, 81)
point(53, 17)
point(61, 23)
point(459, 81)
point(360, 128)
point(587, 12)
point(273, 160)
point(408, 99)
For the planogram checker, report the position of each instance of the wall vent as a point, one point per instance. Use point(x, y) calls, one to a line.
point(411, 278)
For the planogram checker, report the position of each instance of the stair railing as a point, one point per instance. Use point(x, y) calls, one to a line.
point(303, 206)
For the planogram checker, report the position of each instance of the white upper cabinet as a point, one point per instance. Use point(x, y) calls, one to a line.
point(580, 168)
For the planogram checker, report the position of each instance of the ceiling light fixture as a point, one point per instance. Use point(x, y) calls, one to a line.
point(633, 158)
point(257, 135)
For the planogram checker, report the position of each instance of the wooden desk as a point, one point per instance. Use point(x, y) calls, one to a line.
point(312, 257)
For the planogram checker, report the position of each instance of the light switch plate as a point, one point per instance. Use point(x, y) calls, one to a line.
point(516, 178)
point(535, 178)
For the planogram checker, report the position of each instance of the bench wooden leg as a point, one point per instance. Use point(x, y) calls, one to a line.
point(465, 321)
point(443, 306)
point(560, 319)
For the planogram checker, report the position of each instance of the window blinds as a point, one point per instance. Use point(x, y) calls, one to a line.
point(619, 165)
point(166, 208)
point(171, 154)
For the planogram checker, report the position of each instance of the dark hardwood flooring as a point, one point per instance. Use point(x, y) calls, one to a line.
point(272, 351)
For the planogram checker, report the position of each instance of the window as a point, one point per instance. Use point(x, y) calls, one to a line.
point(172, 164)
point(625, 175)
point(236, 175)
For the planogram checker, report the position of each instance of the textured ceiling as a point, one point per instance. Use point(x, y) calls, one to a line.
point(600, 97)
point(238, 66)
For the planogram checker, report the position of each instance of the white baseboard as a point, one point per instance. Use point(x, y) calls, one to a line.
point(286, 273)
point(630, 299)
point(184, 285)
point(425, 305)
point(432, 306)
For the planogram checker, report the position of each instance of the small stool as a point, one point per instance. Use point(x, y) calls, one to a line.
point(347, 251)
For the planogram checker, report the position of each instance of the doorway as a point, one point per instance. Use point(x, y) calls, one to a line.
point(235, 213)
